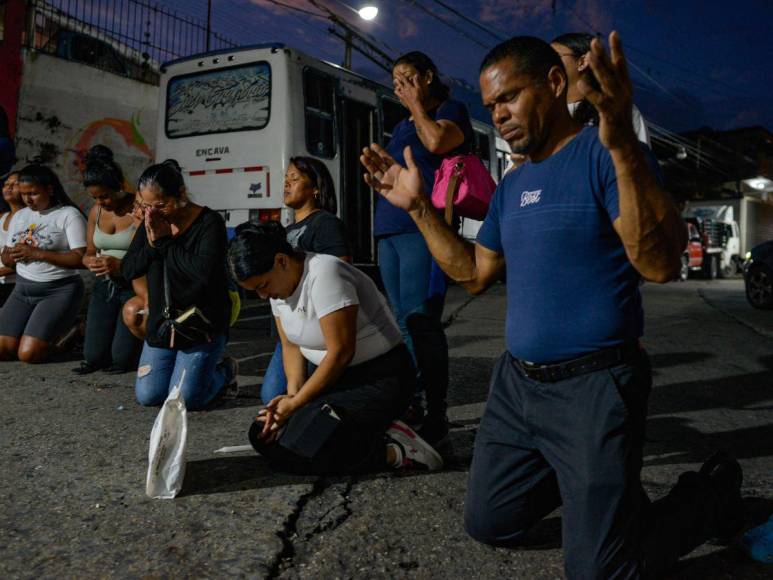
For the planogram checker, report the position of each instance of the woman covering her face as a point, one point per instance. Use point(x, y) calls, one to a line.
point(181, 248)
point(436, 126)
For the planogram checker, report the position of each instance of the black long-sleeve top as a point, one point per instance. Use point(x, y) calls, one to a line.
point(196, 266)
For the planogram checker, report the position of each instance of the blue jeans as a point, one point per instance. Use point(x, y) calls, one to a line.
point(274, 379)
point(161, 368)
point(416, 289)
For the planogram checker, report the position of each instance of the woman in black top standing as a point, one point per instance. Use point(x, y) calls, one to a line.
point(189, 242)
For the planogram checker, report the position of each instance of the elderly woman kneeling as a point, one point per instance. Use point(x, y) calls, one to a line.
point(349, 374)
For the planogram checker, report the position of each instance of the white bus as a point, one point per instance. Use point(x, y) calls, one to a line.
point(233, 119)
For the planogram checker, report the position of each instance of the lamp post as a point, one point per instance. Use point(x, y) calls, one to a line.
point(344, 31)
point(367, 11)
point(209, 22)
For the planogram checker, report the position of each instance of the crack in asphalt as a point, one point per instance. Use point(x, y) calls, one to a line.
point(301, 527)
point(455, 314)
point(289, 531)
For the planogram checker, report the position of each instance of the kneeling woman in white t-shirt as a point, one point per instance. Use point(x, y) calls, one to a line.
point(349, 374)
point(46, 241)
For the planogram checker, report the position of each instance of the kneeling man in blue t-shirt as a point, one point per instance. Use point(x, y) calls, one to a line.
point(575, 227)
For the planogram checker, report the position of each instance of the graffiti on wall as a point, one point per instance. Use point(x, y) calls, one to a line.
point(129, 146)
point(233, 99)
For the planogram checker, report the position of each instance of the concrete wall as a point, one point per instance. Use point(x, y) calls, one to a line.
point(66, 107)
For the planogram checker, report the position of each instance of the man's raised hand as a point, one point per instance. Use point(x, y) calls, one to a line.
point(614, 99)
point(401, 186)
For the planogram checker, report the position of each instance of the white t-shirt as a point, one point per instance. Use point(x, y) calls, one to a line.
point(329, 284)
point(57, 229)
point(10, 278)
point(639, 126)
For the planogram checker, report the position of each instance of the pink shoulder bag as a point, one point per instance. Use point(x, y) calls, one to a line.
point(463, 185)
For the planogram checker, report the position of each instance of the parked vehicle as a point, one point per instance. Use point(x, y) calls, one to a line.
point(712, 249)
point(758, 276)
point(233, 118)
point(721, 239)
point(692, 259)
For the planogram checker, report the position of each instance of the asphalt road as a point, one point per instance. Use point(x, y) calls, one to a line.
point(74, 456)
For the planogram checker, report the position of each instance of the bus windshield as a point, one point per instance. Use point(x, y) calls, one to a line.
point(223, 100)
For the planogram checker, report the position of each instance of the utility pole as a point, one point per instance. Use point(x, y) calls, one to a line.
point(209, 22)
point(353, 40)
point(348, 50)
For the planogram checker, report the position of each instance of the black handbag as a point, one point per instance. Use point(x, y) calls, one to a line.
point(190, 324)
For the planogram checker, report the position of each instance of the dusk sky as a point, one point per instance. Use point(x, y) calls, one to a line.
point(694, 63)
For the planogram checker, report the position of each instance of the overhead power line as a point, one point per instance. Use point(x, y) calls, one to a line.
point(472, 21)
point(352, 36)
point(460, 31)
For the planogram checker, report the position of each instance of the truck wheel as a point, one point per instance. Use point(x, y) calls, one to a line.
point(729, 270)
point(710, 267)
point(713, 267)
point(684, 271)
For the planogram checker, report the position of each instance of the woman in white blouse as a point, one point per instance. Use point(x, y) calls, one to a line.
point(46, 242)
point(349, 374)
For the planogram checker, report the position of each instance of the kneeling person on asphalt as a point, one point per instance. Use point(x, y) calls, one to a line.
point(349, 373)
point(576, 226)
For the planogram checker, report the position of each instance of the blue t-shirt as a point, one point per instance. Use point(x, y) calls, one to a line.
point(391, 220)
point(571, 289)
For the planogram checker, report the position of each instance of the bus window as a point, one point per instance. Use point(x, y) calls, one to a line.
point(393, 113)
point(219, 101)
point(319, 99)
point(482, 148)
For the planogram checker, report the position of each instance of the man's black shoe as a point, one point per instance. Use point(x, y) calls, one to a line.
point(726, 476)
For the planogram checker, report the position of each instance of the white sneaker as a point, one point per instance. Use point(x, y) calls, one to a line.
point(413, 451)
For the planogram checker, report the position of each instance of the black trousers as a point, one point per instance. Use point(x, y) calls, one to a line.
point(342, 431)
point(578, 442)
point(108, 340)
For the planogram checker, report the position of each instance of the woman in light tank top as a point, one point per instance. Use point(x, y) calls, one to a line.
point(109, 344)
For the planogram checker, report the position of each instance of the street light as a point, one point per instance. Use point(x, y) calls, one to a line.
point(368, 12)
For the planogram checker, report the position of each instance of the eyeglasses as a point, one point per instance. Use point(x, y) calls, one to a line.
point(157, 205)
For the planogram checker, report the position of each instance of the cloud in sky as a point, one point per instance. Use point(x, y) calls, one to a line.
point(503, 11)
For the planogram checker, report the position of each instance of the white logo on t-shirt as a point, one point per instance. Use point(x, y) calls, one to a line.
point(530, 197)
point(294, 237)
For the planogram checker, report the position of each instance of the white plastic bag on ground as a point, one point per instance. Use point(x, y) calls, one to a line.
point(166, 457)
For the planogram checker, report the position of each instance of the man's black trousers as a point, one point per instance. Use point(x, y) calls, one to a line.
point(578, 443)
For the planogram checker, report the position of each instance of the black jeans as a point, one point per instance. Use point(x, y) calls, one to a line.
point(342, 431)
point(108, 341)
point(578, 442)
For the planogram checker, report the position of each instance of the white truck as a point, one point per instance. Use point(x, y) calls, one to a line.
point(720, 237)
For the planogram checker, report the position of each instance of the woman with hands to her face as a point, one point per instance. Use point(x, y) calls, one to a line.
point(181, 247)
point(437, 126)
